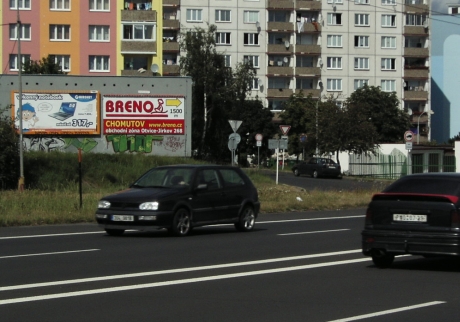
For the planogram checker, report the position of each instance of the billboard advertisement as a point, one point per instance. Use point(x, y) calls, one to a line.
point(60, 112)
point(143, 114)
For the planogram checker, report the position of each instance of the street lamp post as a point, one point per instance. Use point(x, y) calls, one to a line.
point(320, 84)
point(430, 112)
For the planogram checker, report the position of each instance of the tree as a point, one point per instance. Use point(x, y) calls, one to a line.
point(45, 66)
point(382, 109)
point(9, 153)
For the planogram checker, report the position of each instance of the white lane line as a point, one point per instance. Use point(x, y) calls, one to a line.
point(53, 253)
point(176, 282)
point(257, 222)
point(405, 308)
point(313, 232)
point(178, 270)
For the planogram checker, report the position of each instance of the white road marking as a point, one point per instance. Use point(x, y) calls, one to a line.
point(313, 232)
point(176, 282)
point(178, 270)
point(53, 253)
point(103, 232)
point(405, 308)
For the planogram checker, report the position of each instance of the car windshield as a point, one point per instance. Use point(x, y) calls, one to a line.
point(165, 177)
point(441, 186)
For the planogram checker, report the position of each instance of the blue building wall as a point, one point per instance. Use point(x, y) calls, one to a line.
point(445, 77)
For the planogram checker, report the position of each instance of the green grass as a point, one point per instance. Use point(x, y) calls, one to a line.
point(52, 194)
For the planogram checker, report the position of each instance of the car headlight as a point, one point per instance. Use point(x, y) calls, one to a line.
point(104, 204)
point(152, 205)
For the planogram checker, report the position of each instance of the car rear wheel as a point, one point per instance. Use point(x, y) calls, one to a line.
point(315, 174)
point(115, 232)
point(247, 219)
point(382, 259)
point(296, 172)
point(182, 223)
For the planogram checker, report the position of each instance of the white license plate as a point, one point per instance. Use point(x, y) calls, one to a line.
point(122, 218)
point(409, 218)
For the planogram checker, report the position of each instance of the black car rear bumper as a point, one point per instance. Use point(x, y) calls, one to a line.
point(405, 242)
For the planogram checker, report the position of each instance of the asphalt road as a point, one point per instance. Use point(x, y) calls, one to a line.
point(293, 267)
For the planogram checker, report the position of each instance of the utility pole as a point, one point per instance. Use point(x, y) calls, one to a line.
point(21, 147)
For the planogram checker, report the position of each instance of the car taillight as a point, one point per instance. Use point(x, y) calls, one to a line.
point(455, 219)
point(368, 220)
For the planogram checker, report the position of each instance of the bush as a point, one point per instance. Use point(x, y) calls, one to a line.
point(9, 152)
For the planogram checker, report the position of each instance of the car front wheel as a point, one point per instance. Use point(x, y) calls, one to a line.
point(296, 172)
point(182, 223)
point(315, 174)
point(247, 219)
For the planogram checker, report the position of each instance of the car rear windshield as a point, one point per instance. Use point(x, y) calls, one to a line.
point(441, 186)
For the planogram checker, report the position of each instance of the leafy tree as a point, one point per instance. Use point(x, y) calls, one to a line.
point(45, 66)
point(382, 109)
point(9, 153)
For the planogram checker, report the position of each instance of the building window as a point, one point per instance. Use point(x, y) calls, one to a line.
point(276, 105)
point(361, 19)
point(251, 39)
point(278, 16)
point(334, 18)
point(59, 4)
point(275, 38)
point(388, 2)
point(99, 33)
point(334, 62)
point(361, 1)
point(250, 16)
point(388, 85)
point(139, 31)
point(59, 32)
point(388, 63)
point(227, 60)
point(334, 84)
point(223, 15)
point(63, 61)
point(99, 5)
point(304, 61)
point(278, 83)
point(334, 40)
point(14, 61)
point(23, 4)
point(388, 42)
point(415, 20)
point(361, 63)
point(252, 59)
point(25, 32)
point(99, 63)
point(304, 83)
point(358, 83)
point(335, 1)
point(194, 15)
point(362, 41)
point(223, 38)
point(388, 20)
point(255, 84)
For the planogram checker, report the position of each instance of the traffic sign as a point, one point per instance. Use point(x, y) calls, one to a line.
point(259, 137)
point(235, 124)
point(235, 137)
point(408, 145)
point(285, 129)
point(408, 136)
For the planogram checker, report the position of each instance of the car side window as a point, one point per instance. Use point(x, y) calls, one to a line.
point(209, 177)
point(231, 178)
point(312, 161)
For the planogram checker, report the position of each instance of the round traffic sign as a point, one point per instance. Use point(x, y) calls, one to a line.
point(259, 137)
point(235, 137)
point(408, 136)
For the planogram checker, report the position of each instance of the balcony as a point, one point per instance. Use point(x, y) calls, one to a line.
point(133, 46)
point(281, 26)
point(310, 27)
point(279, 49)
point(414, 118)
point(314, 92)
point(416, 72)
point(308, 49)
point(415, 30)
point(416, 52)
point(130, 72)
point(280, 4)
point(171, 3)
point(308, 71)
point(308, 5)
point(415, 95)
point(280, 70)
point(172, 70)
point(171, 24)
point(416, 8)
point(279, 92)
point(170, 46)
point(138, 15)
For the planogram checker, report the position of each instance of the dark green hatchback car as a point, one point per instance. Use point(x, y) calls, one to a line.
point(181, 197)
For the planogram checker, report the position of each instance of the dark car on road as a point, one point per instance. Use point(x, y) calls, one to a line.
point(418, 214)
point(318, 167)
point(181, 197)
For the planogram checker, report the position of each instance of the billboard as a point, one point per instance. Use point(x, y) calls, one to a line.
point(143, 114)
point(57, 112)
